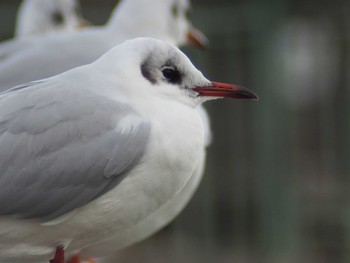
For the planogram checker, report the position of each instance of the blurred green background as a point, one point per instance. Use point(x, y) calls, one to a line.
point(277, 182)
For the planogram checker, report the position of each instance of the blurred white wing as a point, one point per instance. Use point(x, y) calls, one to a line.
point(36, 58)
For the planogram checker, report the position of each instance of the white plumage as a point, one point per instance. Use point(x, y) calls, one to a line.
point(39, 58)
point(105, 157)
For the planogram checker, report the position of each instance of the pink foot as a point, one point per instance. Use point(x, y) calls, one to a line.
point(59, 256)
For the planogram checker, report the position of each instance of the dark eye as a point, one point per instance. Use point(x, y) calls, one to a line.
point(172, 75)
point(57, 18)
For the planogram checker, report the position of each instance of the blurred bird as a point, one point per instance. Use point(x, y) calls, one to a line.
point(87, 154)
point(168, 20)
point(41, 17)
point(34, 58)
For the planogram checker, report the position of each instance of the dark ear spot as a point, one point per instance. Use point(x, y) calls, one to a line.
point(57, 18)
point(146, 72)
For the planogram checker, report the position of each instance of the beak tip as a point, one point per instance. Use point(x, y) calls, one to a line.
point(244, 93)
point(218, 89)
point(249, 96)
point(254, 97)
point(197, 39)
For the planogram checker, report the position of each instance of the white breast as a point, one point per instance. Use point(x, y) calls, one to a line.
point(173, 154)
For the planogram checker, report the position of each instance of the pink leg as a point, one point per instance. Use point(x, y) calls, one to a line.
point(59, 256)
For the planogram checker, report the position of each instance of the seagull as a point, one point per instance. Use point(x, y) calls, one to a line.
point(37, 58)
point(29, 59)
point(88, 154)
point(41, 17)
point(180, 35)
point(166, 20)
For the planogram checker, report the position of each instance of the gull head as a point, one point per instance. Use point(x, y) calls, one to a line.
point(38, 17)
point(167, 20)
point(180, 26)
point(152, 68)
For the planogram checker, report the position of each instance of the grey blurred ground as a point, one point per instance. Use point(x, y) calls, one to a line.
point(278, 175)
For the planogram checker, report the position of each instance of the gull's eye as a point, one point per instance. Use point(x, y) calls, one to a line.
point(57, 18)
point(172, 75)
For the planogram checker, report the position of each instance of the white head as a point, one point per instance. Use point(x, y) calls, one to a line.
point(162, 70)
point(167, 20)
point(40, 17)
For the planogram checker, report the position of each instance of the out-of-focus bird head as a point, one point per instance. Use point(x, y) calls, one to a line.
point(167, 20)
point(40, 17)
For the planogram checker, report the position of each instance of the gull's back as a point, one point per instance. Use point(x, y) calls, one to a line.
point(43, 57)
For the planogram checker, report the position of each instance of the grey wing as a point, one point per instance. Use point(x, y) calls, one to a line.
point(59, 151)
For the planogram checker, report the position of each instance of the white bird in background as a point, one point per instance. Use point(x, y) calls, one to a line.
point(168, 20)
point(42, 17)
point(89, 154)
point(34, 58)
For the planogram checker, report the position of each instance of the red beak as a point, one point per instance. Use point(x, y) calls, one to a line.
point(224, 90)
point(83, 24)
point(196, 38)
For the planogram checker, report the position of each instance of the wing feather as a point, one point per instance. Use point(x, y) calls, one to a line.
point(62, 148)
